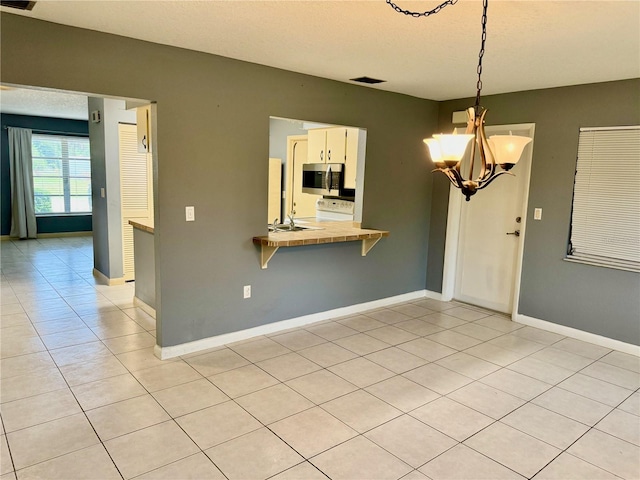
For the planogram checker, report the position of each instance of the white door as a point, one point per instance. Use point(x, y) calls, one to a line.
point(304, 204)
point(135, 191)
point(488, 258)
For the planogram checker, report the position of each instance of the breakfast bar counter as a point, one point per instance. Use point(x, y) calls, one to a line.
point(145, 267)
point(315, 233)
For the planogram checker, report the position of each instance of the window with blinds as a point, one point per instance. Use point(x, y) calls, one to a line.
point(61, 174)
point(605, 220)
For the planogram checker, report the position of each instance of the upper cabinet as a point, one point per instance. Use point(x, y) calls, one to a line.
point(351, 157)
point(317, 146)
point(143, 120)
point(335, 145)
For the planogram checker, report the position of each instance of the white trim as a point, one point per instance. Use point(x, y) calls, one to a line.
point(53, 235)
point(579, 334)
point(184, 348)
point(144, 306)
point(453, 228)
point(594, 263)
point(452, 236)
point(433, 295)
point(523, 228)
point(596, 129)
point(103, 279)
point(87, 233)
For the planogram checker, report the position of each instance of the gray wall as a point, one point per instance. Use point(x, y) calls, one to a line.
point(594, 299)
point(212, 149)
point(145, 267)
point(105, 173)
point(279, 130)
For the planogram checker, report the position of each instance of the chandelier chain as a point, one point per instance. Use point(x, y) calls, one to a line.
point(481, 54)
point(421, 14)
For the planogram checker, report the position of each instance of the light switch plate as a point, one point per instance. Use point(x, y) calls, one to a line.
point(537, 214)
point(190, 214)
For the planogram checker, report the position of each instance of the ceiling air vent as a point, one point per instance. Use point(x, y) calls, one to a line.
point(367, 80)
point(18, 4)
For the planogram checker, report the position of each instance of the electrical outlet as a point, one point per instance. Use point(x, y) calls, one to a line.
point(247, 291)
point(190, 214)
point(102, 193)
point(537, 214)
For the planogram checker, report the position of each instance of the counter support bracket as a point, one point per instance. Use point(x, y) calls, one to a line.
point(269, 244)
point(266, 252)
point(368, 244)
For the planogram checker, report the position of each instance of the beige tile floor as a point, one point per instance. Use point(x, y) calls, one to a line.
point(419, 390)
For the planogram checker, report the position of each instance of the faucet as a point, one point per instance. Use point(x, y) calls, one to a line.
point(292, 224)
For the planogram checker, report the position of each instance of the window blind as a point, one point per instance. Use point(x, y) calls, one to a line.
point(605, 221)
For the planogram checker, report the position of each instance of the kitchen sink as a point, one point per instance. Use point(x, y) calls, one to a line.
point(285, 227)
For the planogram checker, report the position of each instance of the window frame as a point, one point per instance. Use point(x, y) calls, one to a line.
point(592, 155)
point(65, 174)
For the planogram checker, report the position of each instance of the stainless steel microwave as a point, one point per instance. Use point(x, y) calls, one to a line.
point(322, 178)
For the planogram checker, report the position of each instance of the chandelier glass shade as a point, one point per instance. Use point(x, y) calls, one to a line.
point(448, 151)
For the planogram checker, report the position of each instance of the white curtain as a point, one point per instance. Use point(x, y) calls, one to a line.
point(23, 216)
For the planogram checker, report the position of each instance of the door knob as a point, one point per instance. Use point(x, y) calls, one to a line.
point(516, 233)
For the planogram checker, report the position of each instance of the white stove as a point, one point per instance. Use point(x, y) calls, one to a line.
point(334, 209)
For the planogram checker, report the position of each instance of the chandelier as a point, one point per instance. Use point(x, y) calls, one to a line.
point(447, 151)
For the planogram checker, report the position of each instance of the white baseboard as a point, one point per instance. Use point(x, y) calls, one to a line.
point(144, 306)
point(433, 295)
point(579, 334)
point(103, 279)
point(184, 348)
point(53, 235)
point(65, 234)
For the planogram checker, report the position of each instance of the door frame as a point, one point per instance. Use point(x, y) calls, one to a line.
point(289, 169)
point(452, 235)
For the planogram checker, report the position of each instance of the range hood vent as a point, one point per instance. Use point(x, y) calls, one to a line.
point(368, 80)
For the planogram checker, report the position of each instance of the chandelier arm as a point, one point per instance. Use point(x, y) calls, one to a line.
point(486, 154)
point(455, 175)
point(421, 14)
point(455, 179)
point(483, 184)
point(472, 129)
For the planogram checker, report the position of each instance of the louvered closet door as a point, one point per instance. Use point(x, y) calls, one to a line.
point(135, 190)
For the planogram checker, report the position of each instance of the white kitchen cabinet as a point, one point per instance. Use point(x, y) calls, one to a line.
point(317, 145)
point(327, 145)
point(351, 157)
point(143, 121)
point(335, 145)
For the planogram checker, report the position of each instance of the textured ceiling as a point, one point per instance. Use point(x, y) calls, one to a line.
point(43, 103)
point(530, 43)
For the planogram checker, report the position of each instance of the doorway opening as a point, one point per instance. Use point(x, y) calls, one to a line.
point(109, 193)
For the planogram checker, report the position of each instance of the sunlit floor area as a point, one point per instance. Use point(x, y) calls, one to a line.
point(419, 390)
